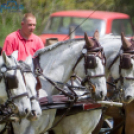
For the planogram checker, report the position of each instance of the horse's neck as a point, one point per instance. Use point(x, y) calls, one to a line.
point(58, 63)
point(111, 48)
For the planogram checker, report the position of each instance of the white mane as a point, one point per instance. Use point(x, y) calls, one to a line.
point(55, 45)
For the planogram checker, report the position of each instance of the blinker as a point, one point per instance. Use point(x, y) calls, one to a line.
point(125, 62)
point(91, 62)
point(12, 81)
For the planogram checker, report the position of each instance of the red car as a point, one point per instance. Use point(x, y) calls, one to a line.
point(86, 21)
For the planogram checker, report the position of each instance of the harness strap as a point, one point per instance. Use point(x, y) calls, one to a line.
point(17, 96)
point(116, 127)
point(117, 56)
point(78, 60)
point(8, 127)
point(55, 85)
point(34, 98)
point(54, 98)
point(65, 113)
point(4, 130)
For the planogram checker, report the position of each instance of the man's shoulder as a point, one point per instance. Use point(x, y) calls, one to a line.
point(12, 35)
point(36, 37)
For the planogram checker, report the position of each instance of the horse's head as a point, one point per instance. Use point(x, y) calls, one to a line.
point(125, 70)
point(95, 66)
point(31, 82)
point(13, 85)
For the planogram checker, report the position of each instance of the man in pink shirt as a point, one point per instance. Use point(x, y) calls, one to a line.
point(23, 39)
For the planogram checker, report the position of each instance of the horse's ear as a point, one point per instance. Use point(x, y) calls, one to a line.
point(96, 35)
point(89, 42)
point(15, 54)
point(6, 60)
point(125, 42)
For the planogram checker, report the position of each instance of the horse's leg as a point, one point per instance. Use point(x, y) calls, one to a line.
point(117, 121)
point(129, 124)
point(114, 112)
point(118, 117)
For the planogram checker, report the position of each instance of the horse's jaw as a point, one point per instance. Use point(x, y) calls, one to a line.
point(127, 95)
point(100, 89)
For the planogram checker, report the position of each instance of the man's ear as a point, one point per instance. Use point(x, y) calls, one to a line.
point(22, 23)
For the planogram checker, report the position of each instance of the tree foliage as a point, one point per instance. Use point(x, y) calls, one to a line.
point(10, 21)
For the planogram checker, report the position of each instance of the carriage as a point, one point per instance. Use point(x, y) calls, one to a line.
point(73, 74)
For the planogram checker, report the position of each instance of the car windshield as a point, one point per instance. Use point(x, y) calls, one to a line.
point(61, 25)
point(122, 25)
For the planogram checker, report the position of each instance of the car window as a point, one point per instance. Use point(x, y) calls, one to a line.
point(122, 25)
point(55, 22)
point(61, 25)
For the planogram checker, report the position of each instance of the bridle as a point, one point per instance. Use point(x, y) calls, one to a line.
point(24, 69)
point(89, 56)
point(6, 110)
point(125, 57)
point(124, 60)
point(8, 81)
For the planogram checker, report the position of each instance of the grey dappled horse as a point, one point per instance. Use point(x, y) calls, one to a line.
point(57, 62)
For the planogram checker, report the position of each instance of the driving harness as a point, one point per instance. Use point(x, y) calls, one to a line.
point(11, 82)
point(89, 56)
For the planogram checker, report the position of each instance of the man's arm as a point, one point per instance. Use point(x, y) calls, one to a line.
point(40, 44)
point(8, 46)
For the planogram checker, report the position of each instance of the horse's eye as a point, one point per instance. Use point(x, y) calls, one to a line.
point(3, 69)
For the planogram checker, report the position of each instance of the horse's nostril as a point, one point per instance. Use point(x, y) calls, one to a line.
point(27, 111)
point(33, 112)
point(128, 98)
point(101, 94)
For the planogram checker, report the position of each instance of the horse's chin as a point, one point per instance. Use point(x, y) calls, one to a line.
point(127, 101)
point(14, 118)
point(98, 98)
point(32, 117)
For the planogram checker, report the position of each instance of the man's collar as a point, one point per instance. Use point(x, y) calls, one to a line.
point(22, 38)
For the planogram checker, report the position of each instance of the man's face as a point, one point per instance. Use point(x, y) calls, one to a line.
point(29, 25)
